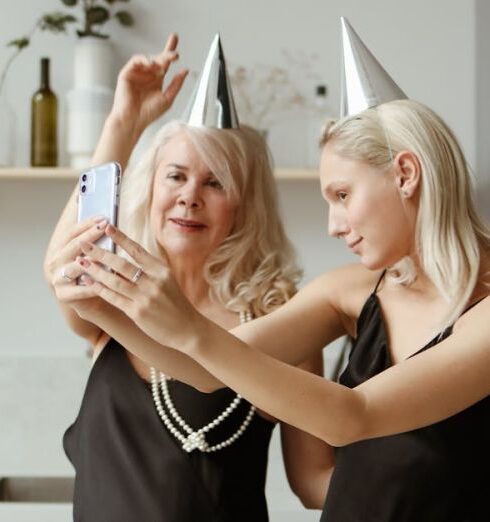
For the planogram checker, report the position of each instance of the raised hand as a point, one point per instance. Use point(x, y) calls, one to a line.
point(140, 96)
point(144, 290)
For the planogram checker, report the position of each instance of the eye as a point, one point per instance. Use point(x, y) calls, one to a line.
point(341, 195)
point(175, 176)
point(214, 183)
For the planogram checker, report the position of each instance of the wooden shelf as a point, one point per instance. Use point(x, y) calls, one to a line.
point(66, 173)
point(28, 173)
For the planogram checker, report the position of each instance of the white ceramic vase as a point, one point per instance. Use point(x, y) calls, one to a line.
point(90, 100)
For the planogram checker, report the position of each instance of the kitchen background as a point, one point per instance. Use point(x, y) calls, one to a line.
point(437, 51)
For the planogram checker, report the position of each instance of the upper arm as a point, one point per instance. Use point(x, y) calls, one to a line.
point(434, 384)
point(319, 313)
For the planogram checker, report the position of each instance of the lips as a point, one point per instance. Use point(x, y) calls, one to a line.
point(352, 244)
point(188, 223)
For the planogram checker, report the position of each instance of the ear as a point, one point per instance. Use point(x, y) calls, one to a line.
point(407, 173)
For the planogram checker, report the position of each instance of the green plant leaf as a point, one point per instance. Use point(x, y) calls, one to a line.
point(124, 18)
point(19, 43)
point(97, 15)
point(56, 22)
point(69, 3)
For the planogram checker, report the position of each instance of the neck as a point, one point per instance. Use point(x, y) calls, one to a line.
point(189, 276)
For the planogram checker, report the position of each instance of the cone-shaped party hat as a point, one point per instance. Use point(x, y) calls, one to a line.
point(364, 81)
point(211, 104)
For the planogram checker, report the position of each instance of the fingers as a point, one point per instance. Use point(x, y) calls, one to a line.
point(113, 298)
point(109, 280)
point(68, 274)
point(171, 91)
point(172, 42)
point(110, 260)
point(73, 292)
point(72, 249)
point(143, 258)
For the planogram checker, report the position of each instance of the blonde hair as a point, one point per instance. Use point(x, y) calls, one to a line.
point(254, 268)
point(449, 235)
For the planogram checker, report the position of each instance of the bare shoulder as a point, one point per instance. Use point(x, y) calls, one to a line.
point(345, 289)
point(475, 318)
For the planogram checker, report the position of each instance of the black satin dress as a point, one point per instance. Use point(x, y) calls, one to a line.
point(440, 473)
point(129, 468)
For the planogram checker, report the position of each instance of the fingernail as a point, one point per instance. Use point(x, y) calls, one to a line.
point(84, 262)
point(110, 229)
point(86, 247)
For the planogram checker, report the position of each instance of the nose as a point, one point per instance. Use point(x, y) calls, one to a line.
point(337, 224)
point(190, 196)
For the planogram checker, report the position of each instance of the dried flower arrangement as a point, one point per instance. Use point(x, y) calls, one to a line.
point(265, 93)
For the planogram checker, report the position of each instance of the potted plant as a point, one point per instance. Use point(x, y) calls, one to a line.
point(94, 15)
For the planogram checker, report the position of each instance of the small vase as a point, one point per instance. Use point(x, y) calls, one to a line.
point(90, 100)
point(7, 132)
point(93, 63)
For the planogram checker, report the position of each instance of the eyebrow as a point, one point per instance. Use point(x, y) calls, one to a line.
point(183, 167)
point(177, 166)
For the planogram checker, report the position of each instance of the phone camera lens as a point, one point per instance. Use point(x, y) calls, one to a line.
point(84, 177)
point(84, 188)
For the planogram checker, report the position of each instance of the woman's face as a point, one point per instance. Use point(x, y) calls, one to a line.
point(366, 210)
point(190, 212)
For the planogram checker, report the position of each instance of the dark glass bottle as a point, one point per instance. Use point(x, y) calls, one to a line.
point(44, 119)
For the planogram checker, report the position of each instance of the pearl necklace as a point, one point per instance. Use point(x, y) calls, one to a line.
point(192, 440)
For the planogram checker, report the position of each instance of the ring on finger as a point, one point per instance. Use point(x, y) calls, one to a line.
point(64, 275)
point(137, 275)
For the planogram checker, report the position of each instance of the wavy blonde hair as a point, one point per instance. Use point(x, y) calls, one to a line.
point(255, 266)
point(450, 235)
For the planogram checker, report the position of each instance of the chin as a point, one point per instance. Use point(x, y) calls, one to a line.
point(374, 263)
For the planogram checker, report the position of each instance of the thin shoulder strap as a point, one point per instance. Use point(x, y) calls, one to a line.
point(379, 281)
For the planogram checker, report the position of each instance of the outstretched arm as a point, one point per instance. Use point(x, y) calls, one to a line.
point(420, 391)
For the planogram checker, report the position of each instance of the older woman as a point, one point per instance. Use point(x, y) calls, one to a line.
point(145, 446)
point(410, 413)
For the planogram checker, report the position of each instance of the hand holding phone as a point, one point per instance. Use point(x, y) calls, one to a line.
point(99, 196)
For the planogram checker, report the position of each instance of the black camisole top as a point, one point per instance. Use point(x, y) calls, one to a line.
point(129, 468)
point(440, 473)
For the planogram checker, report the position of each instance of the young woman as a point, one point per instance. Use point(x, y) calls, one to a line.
point(144, 446)
point(409, 416)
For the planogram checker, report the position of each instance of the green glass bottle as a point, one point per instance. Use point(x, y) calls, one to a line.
point(44, 119)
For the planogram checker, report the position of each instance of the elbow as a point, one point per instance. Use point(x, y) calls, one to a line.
point(207, 387)
point(309, 500)
point(312, 491)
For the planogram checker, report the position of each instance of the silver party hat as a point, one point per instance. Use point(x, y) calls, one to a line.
point(364, 81)
point(211, 104)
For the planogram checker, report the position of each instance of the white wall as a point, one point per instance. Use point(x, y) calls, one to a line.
point(482, 76)
point(428, 47)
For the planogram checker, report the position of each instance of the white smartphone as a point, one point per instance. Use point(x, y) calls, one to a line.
point(99, 196)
